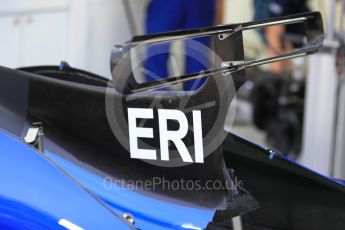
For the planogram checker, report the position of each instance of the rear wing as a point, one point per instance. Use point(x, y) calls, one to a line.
point(314, 40)
point(90, 118)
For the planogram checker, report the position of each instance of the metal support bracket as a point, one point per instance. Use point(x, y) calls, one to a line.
point(228, 64)
point(35, 137)
point(314, 34)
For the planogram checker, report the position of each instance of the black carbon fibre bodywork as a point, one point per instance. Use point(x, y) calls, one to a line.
point(72, 106)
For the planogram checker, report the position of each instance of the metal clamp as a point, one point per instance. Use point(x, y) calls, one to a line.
point(35, 137)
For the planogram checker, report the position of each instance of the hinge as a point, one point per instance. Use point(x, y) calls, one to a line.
point(35, 137)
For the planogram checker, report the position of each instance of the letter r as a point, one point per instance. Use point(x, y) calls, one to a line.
point(173, 135)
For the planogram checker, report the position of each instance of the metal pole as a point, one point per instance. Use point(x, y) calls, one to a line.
point(339, 153)
point(331, 21)
point(320, 116)
point(130, 17)
point(342, 16)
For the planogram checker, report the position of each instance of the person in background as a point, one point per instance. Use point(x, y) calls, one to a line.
point(281, 39)
point(163, 16)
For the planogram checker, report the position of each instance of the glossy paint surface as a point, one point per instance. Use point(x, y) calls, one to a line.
point(148, 213)
point(34, 194)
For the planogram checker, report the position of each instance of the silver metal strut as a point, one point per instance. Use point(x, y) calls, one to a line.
point(314, 34)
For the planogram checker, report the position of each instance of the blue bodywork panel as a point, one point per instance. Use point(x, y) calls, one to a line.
point(148, 213)
point(34, 194)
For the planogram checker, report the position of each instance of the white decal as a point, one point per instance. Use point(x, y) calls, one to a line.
point(165, 135)
point(135, 132)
